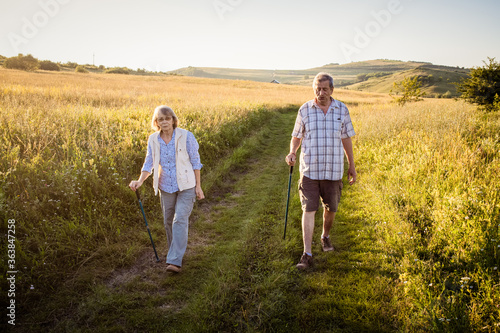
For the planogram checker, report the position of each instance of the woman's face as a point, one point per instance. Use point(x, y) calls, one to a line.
point(165, 122)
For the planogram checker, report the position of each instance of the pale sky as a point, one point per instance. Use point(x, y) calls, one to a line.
point(162, 35)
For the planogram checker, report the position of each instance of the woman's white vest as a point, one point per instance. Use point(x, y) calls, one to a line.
point(185, 173)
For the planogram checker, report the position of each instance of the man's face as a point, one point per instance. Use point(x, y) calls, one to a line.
point(323, 92)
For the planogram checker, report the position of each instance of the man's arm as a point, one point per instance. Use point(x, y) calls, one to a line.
point(294, 146)
point(351, 173)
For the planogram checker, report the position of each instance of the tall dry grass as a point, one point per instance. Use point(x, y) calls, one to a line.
point(434, 173)
point(72, 142)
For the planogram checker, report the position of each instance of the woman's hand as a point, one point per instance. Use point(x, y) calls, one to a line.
point(135, 184)
point(199, 193)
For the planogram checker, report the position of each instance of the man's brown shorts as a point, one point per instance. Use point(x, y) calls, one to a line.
point(311, 190)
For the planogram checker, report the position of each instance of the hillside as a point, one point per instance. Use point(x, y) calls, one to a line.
point(344, 74)
point(437, 81)
point(372, 76)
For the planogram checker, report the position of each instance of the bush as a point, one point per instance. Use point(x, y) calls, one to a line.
point(361, 77)
point(25, 63)
point(48, 65)
point(118, 70)
point(366, 76)
point(410, 90)
point(81, 69)
point(482, 86)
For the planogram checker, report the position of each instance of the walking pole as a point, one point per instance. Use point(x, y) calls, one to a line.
point(288, 198)
point(146, 221)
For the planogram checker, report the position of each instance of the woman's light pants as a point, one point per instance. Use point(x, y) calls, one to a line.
point(177, 208)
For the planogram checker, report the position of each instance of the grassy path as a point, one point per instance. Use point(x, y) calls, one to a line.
point(239, 274)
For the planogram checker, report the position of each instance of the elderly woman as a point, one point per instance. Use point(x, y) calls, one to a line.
point(173, 155)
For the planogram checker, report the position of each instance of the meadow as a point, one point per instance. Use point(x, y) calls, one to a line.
point(427, 201)
point(433, 171)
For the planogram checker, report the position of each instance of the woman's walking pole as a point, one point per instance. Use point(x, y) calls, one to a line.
point(146, 221)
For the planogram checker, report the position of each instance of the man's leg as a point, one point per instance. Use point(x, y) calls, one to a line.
point(307, 234)
point(309, 198)
point(330, 194)
point(307, 230)
point(328, 218)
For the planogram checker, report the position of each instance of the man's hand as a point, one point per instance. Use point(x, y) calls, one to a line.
point(290, 159)
point(351, 174)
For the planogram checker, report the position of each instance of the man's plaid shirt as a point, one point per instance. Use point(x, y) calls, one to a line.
point(322, 152)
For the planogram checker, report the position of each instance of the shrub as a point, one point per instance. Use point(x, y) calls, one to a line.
point(410, 90)
point(118, 70)
point(71, 64)
point(361, 77)
point(482, 85)
point(81, 69)
point(447, 94)
point(48, 65)
point(25, 63)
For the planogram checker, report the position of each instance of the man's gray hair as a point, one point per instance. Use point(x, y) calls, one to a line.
point(322, 77)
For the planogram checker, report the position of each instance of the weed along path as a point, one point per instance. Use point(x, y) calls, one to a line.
point(240, 275)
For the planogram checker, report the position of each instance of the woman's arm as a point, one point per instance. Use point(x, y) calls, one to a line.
point(146, 169)
point(199, 191)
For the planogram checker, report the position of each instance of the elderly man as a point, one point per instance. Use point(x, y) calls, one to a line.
point(323, 128)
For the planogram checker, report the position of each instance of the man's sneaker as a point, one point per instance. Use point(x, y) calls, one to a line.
point(305, 262)
point(326, 245)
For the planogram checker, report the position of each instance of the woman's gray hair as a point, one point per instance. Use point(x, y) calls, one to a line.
point(322, 77)
point(166, 111)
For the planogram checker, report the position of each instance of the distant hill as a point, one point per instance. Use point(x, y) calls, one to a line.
point(437, 81)
point(374, 75)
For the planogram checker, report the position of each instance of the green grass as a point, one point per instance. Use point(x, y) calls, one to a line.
point(239, 274)
point(417, 237)
point(434, 168)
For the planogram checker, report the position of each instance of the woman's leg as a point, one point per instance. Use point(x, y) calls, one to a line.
point(180, 225)
point(167, 201)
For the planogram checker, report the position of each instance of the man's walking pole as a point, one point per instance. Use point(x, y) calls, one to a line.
point(288, 199)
